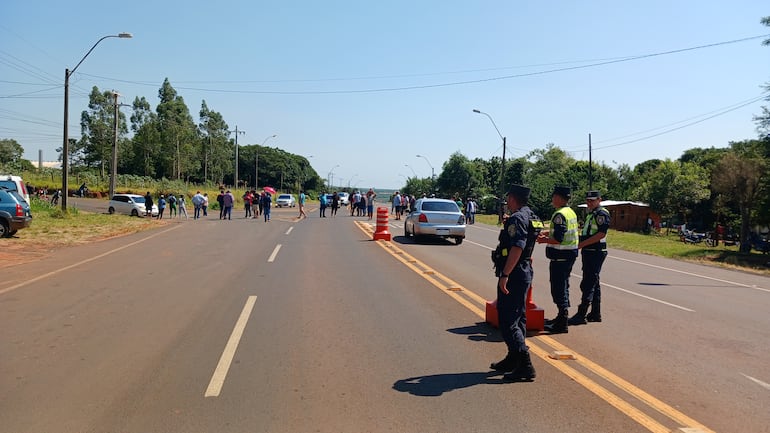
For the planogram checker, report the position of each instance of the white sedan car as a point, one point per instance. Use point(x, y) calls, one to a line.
point(435, 217)
point(344, 198)
point(285, 200)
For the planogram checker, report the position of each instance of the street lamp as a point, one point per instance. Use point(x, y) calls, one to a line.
point(351, 179)
point(502, 165)
point(432, 172)
point(256, 160)
point(410, 168)
point(65, 146)
point(329, 176)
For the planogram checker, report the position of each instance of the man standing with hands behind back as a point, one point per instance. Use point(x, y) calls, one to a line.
point(562, 249)
point(513, 268)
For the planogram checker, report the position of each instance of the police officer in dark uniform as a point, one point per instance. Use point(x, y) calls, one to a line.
point(593, 249)
point(513, 268)
point(562, 250)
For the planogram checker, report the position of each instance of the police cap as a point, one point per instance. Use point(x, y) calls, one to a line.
point(593, 195)
point(563, 191)
point(520, 192)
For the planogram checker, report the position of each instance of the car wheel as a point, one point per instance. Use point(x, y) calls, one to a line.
point(458, 241)
point(406, 232)
point(134, 212)
point(111, 210)
point(4, 232)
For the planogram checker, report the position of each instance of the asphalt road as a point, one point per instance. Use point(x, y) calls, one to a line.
point(295, 326)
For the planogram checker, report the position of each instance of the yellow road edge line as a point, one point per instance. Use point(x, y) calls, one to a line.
point(626, 408)
point(626, 386)
point(623, 406)
point(449, 282)
point(405, 260)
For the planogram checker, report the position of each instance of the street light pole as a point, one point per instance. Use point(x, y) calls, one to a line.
point(502, 166)
point(432, 172)
point(350, 180)
point(256, 160)
point(329, 176)
point(65, 145)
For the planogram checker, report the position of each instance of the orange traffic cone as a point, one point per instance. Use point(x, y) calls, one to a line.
point(381, 232)
point(535, 314)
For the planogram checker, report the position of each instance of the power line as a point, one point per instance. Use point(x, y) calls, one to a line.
point(685, 125)
point(710, 115)
point(448, 84)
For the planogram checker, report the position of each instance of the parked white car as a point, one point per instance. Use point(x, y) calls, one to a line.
point(15, 183)
point(285, 200)
point(344, 198)
point(130, 204)
point(435, 217)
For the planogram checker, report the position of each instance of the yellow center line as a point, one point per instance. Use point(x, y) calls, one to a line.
point(651, 401)
point(539, 347)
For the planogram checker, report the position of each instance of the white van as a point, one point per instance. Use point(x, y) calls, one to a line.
point(15, 183)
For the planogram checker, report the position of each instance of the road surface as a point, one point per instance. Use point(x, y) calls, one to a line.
point(308, 325)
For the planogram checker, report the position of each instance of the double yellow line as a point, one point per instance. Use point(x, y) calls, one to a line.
point(543, 345)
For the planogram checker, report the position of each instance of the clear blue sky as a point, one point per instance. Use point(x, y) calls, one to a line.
point(369, 85)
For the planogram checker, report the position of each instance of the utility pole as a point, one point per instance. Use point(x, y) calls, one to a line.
point(590, 171)
point(235, 178)
point(114, 164)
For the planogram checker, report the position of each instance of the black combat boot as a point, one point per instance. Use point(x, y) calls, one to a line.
point(580, 317)
point(559, 324)
point(596, 311)
point(509, 363)
point(524, 372)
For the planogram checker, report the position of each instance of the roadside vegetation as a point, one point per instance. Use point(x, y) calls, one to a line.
point(53, 228)
point(670, 246)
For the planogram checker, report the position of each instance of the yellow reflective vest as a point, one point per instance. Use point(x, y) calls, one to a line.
point(568, 246)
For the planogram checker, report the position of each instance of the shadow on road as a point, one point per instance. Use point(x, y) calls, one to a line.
point(481, 331)
point(437, 384)
point(425, 240)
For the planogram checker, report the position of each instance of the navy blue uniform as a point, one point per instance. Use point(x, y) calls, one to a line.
point(593, 255)
point(512, 307)
point(562, 258)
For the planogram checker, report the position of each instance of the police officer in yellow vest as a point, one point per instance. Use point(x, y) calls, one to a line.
point(593, 247)
point(562, 249)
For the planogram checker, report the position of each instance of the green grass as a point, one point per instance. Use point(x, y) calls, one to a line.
point(52, 227)
point(671, 247)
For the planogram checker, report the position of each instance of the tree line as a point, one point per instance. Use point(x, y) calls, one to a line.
point(703, 187)
point(167, 143)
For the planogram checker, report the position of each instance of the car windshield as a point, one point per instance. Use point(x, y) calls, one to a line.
point(139, 199)
point(440, 206)
point(284, 197)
